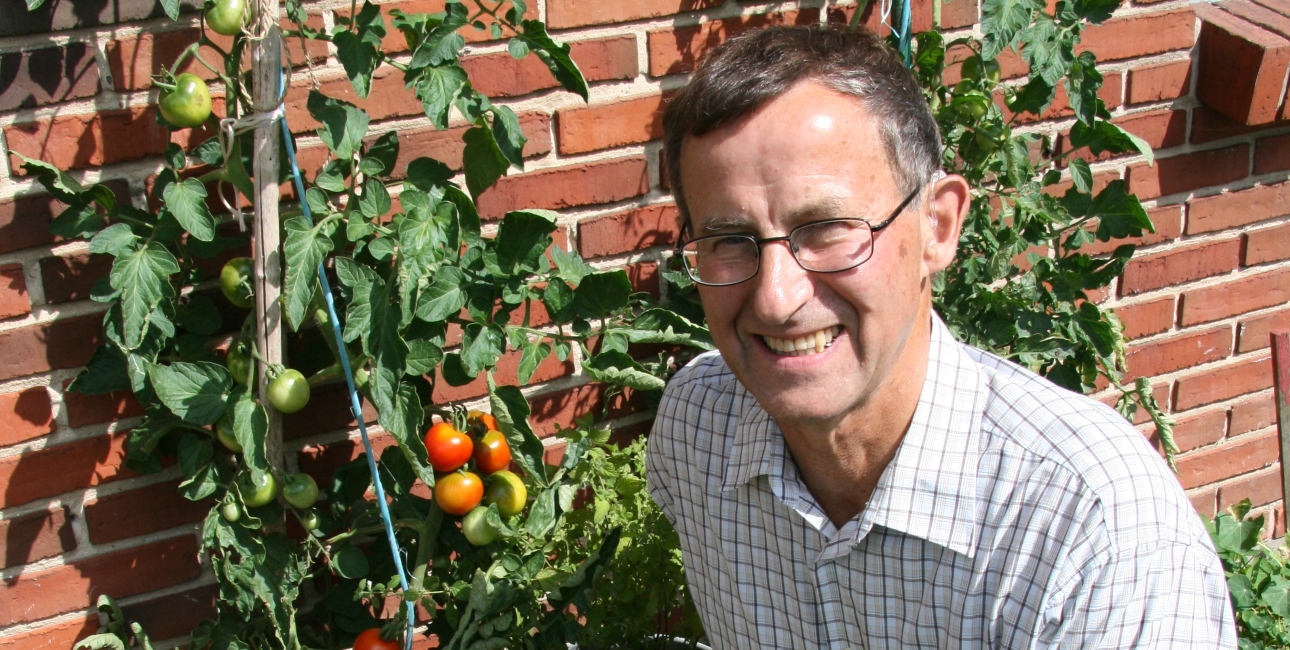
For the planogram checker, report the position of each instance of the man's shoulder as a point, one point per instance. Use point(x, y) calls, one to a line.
point(1085, 446)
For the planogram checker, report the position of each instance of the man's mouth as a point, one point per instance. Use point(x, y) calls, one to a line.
point(807, 344)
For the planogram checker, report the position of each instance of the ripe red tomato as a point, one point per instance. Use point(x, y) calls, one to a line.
point(458, 492)
point(370, 639)
point(448, 447)
point(492, 454)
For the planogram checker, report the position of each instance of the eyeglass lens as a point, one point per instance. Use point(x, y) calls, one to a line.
point(824, 247)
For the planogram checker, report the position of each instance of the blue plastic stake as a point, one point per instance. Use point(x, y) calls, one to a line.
point(354, 404)
point(905, 36)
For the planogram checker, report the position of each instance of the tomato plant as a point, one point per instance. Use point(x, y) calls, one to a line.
point(289, 391)
point(493, 453)
point(226, 16)
point(188, 103)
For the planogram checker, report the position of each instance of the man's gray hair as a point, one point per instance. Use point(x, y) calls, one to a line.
point(741, 75)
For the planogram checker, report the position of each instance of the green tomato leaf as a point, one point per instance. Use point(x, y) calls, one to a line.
point(56, 181)
point(251, 428)
point(570, 265)
point(426, 174)
point(386, 150)
point(1081, 175)
point(80, 219)
point(343, 124)
point(199, 315)
point(106, 372)
point(601, 294)
point(113, 239)
point(1048, 49)
point(508, 134)
point(1277, 596)
point(444, 297)
point(196, 392)
point(360, 59)
point(616, 368)
point(556, 56)
point(1119, 214)
point(1242, 591)
point(481, 347)
point(423, 357)
point(305, 248)
point(522, 238)
point(349, 563)
point(1105, 136)
point(558, 299)
point(534, 352)
point(511, 409)
point(438, 87)
point(483, 160)
point(542, 516)
point(375, 200)
point(143, 278)
point(1002, 21)
point(194, 453)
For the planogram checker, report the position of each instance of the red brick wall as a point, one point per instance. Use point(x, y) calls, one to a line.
point(1198, 302)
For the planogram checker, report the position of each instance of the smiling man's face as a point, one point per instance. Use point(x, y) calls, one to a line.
point(808, 155)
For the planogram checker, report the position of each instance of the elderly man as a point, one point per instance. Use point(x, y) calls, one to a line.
point(844, 474)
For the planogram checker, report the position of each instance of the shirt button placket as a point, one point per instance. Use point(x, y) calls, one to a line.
point(830, 603)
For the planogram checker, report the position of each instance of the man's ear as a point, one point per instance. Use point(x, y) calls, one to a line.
point(946, 208)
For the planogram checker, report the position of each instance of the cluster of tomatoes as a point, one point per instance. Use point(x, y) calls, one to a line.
point(288, 388)
point(298, 489)
point(460, 491)
point(185, 100)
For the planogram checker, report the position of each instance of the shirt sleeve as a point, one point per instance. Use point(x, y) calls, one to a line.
point(656, 463)
point(1164, 595)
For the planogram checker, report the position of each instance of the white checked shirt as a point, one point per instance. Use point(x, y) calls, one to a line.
point(1015, 514)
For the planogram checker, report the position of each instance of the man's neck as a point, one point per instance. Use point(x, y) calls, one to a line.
point(841, 466)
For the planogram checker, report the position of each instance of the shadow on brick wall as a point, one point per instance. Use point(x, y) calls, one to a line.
point(67, 14)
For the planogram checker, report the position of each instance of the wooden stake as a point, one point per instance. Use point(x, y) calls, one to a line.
point(1281, 379)
point(266, 72)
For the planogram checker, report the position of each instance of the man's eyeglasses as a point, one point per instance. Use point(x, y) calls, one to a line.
point(821, 247)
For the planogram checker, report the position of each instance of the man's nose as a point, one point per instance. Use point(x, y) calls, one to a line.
point(783, 286)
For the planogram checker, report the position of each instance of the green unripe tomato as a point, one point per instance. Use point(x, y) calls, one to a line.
point(224, 432)
point(475, 527)
point(289, 391)
point(971, 68)
point(257, 494)
point(189, 104)
point(973, 105)
point(309, 520)
point(230, 511)
point(236, 282)
point(300, 490)
point(226, 16)
point(992, 70)
point(239, 361)
point(964, 87)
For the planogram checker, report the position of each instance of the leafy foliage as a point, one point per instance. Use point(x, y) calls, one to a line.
point(1258, 578)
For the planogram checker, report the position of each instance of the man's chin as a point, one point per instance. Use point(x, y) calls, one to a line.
point(801, 406)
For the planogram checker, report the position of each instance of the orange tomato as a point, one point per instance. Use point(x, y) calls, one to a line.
point(448, 448)
point(458, 492)
point(492, 454)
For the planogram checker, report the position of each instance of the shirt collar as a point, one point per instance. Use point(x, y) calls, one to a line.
point(929, 489)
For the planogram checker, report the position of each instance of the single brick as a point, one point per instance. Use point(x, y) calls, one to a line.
point(1241, 67)
point(25, 415)
point(1163, 81)
point(36, 536)
point(1180, 265)
point(1245, 376)
point(1200, 430)
point(1147, 318)
point(66, 343)
point(55, 16)
point(62, 468)
point(1122, 38)
point(562, 14)
point(13, 292)
point(1234, 209)
point(677, 50)
point(56, 636)
point(593, 183)
point(1183, 351)
point(1238, 457)
point(1261, 488)
point(1253, 413)
point(1272, 154)
point(629, 230)
point(591, 128)
point(47, 76)
point(1202, 501)
point(1209, 125)
point(141, 511)
point(1235, 297)
point(84, 409)
point(1189, 171)
point(72, 278)
point(1267, 245)
point(1253, 334)
point(92, 140)
point(501, 75)
point(33, 596)
point(958, 13)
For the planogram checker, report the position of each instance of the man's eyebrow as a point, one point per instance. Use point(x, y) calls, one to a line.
point(725, 224)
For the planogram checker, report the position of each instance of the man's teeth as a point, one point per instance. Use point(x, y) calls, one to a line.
point(813, 343)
